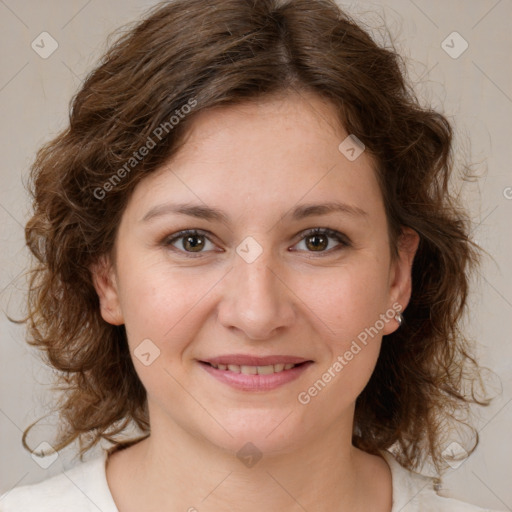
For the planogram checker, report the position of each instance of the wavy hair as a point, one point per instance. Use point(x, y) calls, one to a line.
point(186, 56)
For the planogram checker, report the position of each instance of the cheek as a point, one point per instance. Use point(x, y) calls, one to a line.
point(159, 301)
point(350, 348)
point(163, 311)
point(348, 304)
point(347, 299)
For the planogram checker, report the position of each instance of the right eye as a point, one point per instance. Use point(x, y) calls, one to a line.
point(191, 241)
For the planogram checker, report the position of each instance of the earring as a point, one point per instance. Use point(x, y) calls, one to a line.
point(399, 318)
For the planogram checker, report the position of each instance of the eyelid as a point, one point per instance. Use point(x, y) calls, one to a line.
point(340, 237)
point(169, 240)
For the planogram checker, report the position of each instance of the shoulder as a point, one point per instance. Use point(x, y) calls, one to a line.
point(413, 492)
point(82, 488)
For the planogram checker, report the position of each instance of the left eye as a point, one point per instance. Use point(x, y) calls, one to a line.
point(317, 240)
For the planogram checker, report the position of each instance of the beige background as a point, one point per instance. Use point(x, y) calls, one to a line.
point(475, 90)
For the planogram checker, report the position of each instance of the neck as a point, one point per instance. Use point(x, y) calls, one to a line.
point(173, 469)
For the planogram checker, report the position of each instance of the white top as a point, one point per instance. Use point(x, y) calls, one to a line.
point(84, 488)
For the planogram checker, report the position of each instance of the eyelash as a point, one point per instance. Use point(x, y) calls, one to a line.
point(339, 237)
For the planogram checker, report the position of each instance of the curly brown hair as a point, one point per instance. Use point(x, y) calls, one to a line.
point(205, 54)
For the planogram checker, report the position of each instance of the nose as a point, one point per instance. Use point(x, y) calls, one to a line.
point(256, 300)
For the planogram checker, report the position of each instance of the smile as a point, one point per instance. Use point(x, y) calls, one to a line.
point(255, 377)
point(254, 370)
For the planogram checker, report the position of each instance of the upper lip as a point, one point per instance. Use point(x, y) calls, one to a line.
point(247, 360)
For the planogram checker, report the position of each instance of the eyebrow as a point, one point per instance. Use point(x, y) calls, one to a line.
point(308, 210)
point(213, 214)
point(193, 210)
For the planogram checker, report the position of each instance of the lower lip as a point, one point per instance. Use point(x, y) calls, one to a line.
point(245, 382)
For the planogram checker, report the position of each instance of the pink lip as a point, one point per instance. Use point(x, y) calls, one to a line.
point(245, 360)
point(244, 382)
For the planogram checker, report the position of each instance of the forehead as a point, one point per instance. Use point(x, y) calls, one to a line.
point(294, 119)
point(264, 154)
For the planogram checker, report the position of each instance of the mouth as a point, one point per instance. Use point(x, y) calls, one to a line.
point(248, 373)
point(267, 369)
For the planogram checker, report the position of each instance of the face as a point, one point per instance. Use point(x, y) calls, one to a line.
point(286, 260)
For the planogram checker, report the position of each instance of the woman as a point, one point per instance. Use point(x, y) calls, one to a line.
point(247, 249)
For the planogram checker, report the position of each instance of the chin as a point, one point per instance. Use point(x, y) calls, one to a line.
point(258, 430)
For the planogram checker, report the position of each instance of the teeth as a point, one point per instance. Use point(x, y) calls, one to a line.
point(265, 370)
point(254, 370)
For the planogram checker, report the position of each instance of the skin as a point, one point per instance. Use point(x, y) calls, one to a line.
point(256, 162)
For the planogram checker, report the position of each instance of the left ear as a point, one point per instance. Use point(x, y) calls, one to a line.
point(401, 274)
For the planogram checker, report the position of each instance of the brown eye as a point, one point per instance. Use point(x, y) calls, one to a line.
point(317, 242)
point(189, 241)
point(193, 243)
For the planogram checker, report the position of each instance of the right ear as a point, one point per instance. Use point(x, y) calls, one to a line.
point(105, 283)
